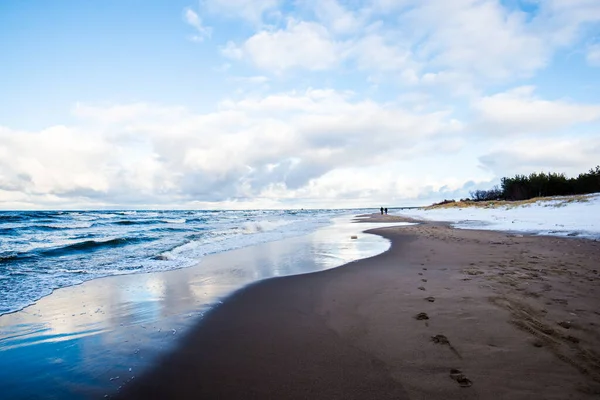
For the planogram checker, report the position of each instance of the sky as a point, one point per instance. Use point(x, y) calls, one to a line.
point(236, 104)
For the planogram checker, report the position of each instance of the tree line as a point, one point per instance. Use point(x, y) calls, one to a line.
point(523, 187)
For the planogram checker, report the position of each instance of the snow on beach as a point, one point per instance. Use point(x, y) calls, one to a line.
point(562, 216)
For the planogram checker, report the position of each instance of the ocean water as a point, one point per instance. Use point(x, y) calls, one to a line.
point(41, 251)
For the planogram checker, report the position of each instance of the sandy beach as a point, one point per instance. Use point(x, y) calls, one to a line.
point(444, 314)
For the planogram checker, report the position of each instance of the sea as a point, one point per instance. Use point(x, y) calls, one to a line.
point(41, 251)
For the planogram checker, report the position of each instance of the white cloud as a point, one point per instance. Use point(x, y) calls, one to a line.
point(460, 44)
point(337, 18)
point(193, 19)
point(562, 21)
point(147, 154)
point(479, 37)
point(373, 52)
point(231, 50)
point(518, 111)
point(486, 39)
point(564, 154)
point(310, 46)
point(593, 55)
point(385, 6)
point(301, 44)
point(317, 147)
point(574, 10)
point(54, 160)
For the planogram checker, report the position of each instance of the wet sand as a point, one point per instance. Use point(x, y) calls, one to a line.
point(444, 314)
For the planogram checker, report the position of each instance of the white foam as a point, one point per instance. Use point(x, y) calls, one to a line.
point(68, 225)
point(174, 221)
point(263, 226)
point(250, 233)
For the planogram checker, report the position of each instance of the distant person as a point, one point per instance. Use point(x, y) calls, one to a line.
point(385, 210)
point(381, 210)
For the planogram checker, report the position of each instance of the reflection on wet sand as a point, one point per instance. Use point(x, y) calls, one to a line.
point(90, 339)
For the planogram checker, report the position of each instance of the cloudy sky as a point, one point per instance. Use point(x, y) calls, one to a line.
point(277, 104)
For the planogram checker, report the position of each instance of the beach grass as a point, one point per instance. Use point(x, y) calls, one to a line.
point(556, 201)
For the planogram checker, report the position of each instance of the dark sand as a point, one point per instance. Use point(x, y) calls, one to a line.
point(513, 318)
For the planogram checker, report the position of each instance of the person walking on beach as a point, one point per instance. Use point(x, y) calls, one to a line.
point(385, 209)
point(381, 210)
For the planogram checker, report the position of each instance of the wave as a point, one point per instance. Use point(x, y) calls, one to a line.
point(70, 271)
point(168, 229)
point(91, 245)
point(198, 219)
point(174, 221)
point(129, 222)
point(150, 221)
point(233, 237)
point(9, 258)
point(262, 226)
point(11, 218)
point(86, 246)
point(80, 225)
point(9, 231)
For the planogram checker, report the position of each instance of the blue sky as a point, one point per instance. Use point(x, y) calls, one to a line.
point(269, 103)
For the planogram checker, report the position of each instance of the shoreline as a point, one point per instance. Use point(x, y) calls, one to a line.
point(59, 289)
point(513, 316)
point(89, 340)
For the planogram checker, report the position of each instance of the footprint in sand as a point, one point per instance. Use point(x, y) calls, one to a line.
point(430, 299)
point(459, 377)
point(443, 340)
point(566, 324)
point(424, 280)
point(421, 288)
point(440, 339)
point(421, 316)
point(572, 339)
